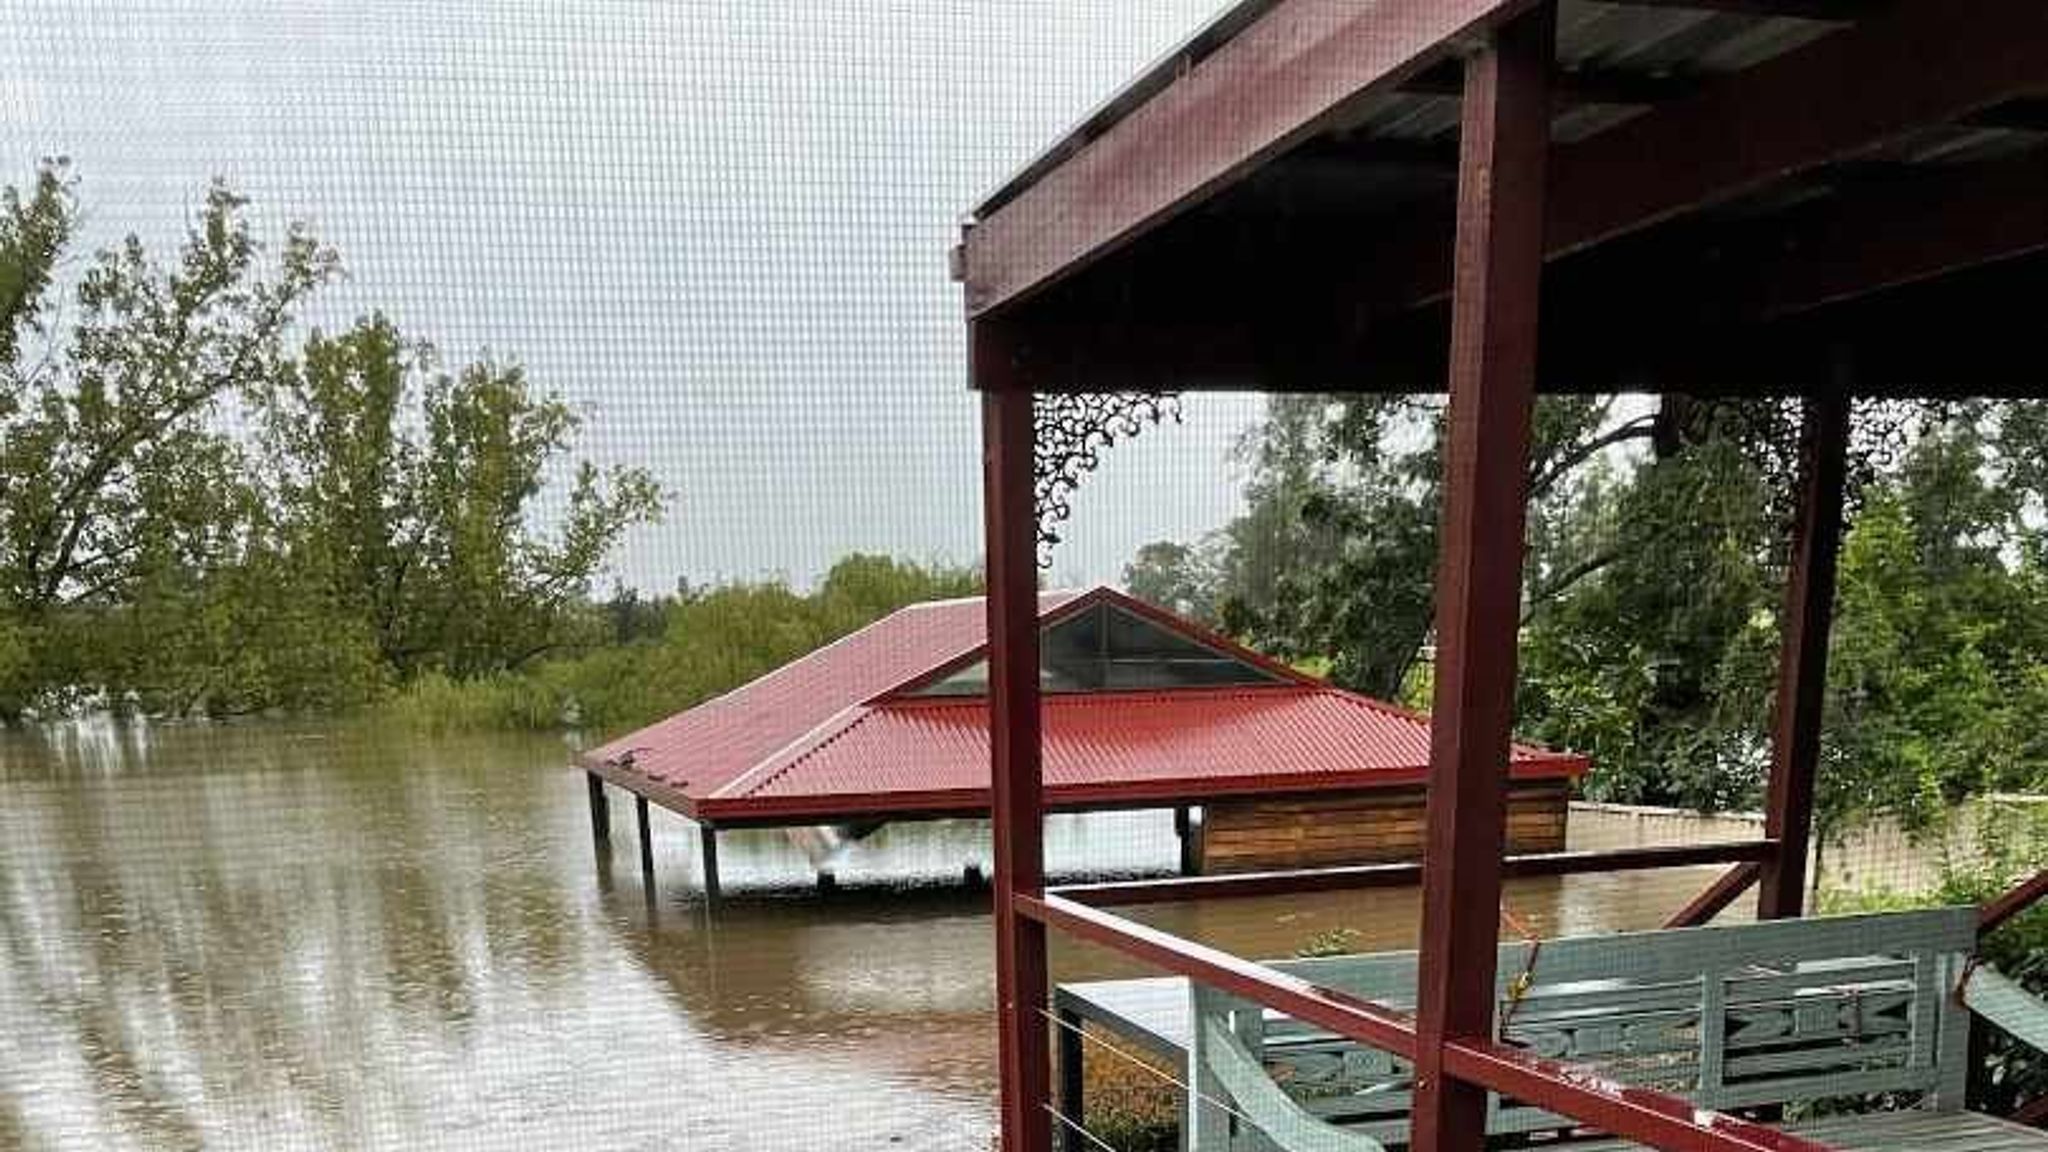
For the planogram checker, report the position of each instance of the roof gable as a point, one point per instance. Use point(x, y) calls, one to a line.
point(1109, 642)
point(705, 748)
point(1136, 698)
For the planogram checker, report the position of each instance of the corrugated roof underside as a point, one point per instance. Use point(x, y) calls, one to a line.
point(1655, 42)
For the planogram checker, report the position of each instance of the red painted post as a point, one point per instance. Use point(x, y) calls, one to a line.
point(1023, 1046)
point(1503, 151)
point(2012, 902)
point(1803, 656)
point(1719, 895)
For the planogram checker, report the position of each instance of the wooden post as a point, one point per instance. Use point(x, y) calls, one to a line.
point(1190, 834)
point(646, 840)
point(600, 809)
point(707, 848)
point(1023, 1053)
point(1498, 267)
point(1803, 655)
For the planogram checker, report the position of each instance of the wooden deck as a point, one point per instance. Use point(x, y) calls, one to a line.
point(1155, 1014)
point(1731, 1018)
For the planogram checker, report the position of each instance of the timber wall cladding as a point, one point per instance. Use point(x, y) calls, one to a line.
point(1375, 827)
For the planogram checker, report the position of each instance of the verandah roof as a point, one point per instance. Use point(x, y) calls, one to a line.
point(1734, 204)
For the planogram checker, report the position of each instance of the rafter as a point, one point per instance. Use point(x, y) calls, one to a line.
point(1573, 87)
point(1740, 133)
point(1834, 11)
point(1797, 112)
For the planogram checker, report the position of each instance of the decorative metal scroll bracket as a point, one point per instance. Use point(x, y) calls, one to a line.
point(1073, 430)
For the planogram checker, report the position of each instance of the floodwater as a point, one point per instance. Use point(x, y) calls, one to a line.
point(274, 937)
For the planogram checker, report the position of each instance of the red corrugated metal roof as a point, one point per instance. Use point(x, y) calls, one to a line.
point(701, 750)
point(826, 736)
point(1108, 748)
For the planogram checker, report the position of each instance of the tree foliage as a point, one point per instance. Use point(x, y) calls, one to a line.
point(201, 510)
point(1657, 546)
point(423, 531)
point(708, 642)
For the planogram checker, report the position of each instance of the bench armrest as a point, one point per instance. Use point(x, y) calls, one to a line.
point(2001, 1000)
point(1290, 1126)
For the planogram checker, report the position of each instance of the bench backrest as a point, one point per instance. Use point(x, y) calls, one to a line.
point(1728, 1017)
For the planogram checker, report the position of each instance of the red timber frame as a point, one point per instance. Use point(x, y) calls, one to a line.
point(1247, 101)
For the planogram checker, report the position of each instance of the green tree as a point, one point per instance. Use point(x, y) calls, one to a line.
point(1178, 577)
point(714, 640)
point(197, 516)
point(1335, 556)
point(1653, 580)
point(411, 490)
point(1939, 656)
point(118, 485)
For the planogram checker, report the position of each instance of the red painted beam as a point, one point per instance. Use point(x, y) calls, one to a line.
point(1839, 11)
point(1400, 875)
point(1361, 1020)
point(2021, 897)
point(1273, 84)
point(1860, 234)
point(1904, 232)
point(1717, 896)
point(1504, 144)
point(1715, 283)
point(1640, 1115)
point(1803, 653)
point(1023, 1051)
point(1914, 64)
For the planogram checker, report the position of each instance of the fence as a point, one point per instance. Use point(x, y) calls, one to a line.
point(1881, 856)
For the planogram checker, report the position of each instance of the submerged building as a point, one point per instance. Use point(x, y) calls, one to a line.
point(1267, 766)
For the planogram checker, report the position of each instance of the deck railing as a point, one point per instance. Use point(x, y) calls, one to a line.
point(1994, 915)
point(1655, 1119)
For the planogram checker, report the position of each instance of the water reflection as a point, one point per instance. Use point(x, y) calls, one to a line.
point(270, 937)
point(276, 937)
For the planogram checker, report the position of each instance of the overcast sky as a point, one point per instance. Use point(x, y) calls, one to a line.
point(719, 228)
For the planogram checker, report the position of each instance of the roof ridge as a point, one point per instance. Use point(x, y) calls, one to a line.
point(1046, 617)
point(774, 763)
point(950, 601)
point(1207, 690)
point(790, 762)
point(818, 652)
point(1399, 711)
point(1078, 695)
point(788, 665)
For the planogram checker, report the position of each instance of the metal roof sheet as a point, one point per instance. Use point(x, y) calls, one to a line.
point(834, 733)
point(1135, 745)
point(1108, 748)
point(703, 749)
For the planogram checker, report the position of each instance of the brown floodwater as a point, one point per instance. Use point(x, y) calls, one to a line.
point(275, 937)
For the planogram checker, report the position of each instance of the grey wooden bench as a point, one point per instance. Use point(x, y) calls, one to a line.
point(1857, 1026)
